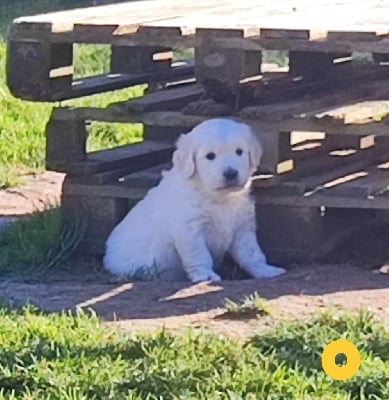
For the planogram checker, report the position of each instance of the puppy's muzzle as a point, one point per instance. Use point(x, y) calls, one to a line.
point(230, 176)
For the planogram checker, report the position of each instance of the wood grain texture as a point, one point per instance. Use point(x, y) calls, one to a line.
point(131, 158)
point(280, 21)
point(244, 28)
point(344, 15)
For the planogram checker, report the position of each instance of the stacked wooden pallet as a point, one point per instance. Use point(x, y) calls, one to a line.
point(143, 35)
point(323, 120)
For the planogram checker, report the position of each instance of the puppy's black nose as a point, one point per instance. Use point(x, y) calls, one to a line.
point(230, 174)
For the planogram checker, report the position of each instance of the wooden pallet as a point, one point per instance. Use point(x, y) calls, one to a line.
point(323, 121)
point(357, 108)
point(225, 33)
point(333, 161)
point(301, 218)
point(357, 183)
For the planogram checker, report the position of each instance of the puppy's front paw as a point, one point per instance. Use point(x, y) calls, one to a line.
point(268, 271)
point(206, 276)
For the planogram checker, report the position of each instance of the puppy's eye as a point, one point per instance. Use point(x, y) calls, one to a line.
point(239, 152)
point(210, 156)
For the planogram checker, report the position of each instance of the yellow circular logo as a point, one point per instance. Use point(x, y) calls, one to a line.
point(347, 371)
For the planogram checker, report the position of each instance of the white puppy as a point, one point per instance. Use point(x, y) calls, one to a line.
point(200, 210)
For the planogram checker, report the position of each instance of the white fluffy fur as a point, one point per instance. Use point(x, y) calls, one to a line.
point(185, 225)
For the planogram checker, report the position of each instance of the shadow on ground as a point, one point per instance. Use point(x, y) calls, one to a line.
point(144, 300)
point(344, 279)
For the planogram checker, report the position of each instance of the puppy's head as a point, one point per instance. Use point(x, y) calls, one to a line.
point(221, 153)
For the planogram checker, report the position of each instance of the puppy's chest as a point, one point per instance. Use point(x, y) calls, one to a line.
point(219, 227)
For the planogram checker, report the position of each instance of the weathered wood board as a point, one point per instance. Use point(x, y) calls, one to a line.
point(40, 65)
point(347, 113)
point(278, 19)
point(358, 183)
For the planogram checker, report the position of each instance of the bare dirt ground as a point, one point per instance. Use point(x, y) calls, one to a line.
point(345, 282)
point(147, 306)
point(33, 195)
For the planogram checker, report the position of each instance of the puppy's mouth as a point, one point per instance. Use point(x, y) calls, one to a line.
point(232, 186)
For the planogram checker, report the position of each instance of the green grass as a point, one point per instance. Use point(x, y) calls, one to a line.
point(76, 357)
point(34, 247)
point(249, 307)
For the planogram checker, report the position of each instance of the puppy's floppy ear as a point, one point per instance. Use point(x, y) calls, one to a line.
point(255, 151)
point(184, 156)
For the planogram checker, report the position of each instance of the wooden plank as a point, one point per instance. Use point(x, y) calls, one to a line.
point(381, 58)
point(146, 178)
point(302, 124)
point(306, 83)
point(276, 157)
point(66, 140)
point(212, 108)
point(352, 36)
point(61, 54)
point(337, 165)
point(315, 169)
point(226, 67)
point(125, 34)
point(342, 142)
point(316, 65)
point(214, 21)
point(281, 15)
point(353, 184)
point(358, 113)
point(28, 69)
point(368, 183)
point(284, 33)
point(105, 14)
point(36, 67)
point(187, 122)
point(102, 214)
point(183, 38)
point(103, 83)
point(35, 84)
point(321, 45)
point(102, 24)
point(169, 99)
point(165, 134)
point(127, 151)
point(121, 26)
point(334, 172)
point(293, 234)
point(251, 64)
point(24, 31)
point(361, 93)
point(137, 59)
point(131, 157)
point(315, 147)
point(109, 190)
point(322, 199)
point(125, 20)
